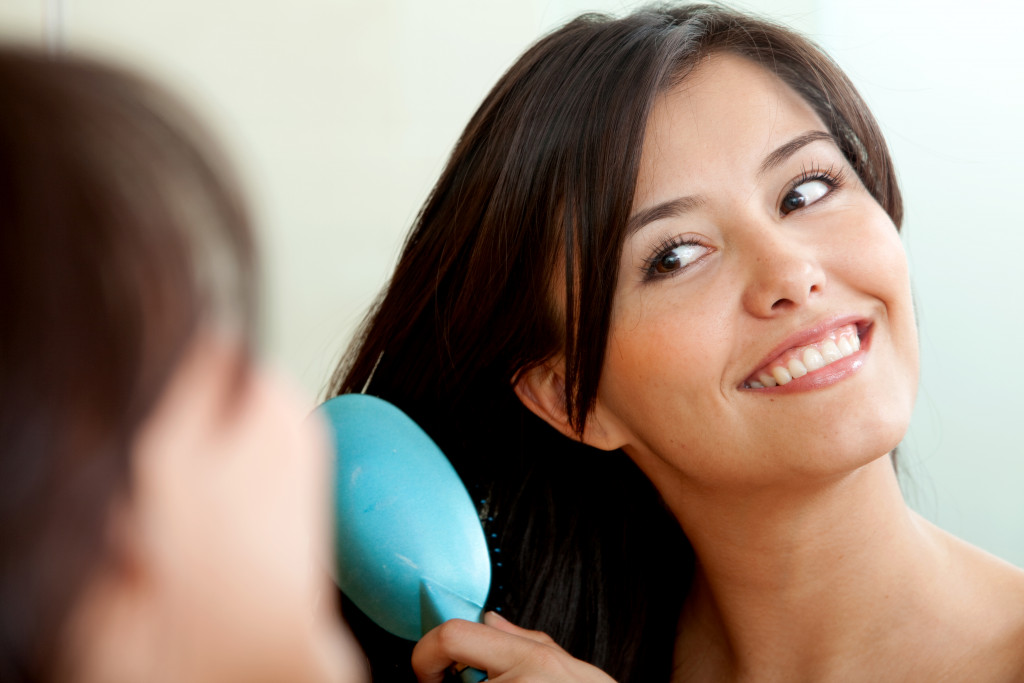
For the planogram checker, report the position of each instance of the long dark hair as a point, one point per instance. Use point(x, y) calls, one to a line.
point(536, 196)
point(119, 238)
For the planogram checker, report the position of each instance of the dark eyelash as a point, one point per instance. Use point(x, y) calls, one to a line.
point(666, 245)
point(831, 176)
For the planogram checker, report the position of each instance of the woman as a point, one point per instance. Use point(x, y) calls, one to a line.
point(657, 313)
point(161, 497)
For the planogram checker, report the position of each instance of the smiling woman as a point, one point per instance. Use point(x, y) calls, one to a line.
point(770, 286)
point(658, 314)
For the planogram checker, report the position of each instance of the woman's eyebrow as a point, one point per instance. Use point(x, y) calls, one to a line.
point(790, 148)
point(680, 205)
point(672, 207)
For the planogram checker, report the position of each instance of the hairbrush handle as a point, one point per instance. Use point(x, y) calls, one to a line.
point(438, 605)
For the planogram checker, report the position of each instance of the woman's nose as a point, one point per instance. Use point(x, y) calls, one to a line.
point(783, 274)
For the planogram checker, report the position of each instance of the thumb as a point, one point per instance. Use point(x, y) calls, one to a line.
point(495, 620)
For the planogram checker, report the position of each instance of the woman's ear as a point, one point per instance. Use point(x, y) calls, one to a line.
point(542, 390)
point(113, 632)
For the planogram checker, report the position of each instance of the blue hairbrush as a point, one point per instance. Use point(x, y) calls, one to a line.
point(409, 548)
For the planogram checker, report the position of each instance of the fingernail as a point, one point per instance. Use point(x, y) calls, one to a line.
point(494, 616)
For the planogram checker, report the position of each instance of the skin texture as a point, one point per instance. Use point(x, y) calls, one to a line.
point(810, 565)
point(502, 649)
point(216, 570)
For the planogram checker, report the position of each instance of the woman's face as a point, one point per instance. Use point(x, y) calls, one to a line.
point(758, 258)
point(229, 519)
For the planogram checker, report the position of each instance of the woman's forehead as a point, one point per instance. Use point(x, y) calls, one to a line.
point(725, 116)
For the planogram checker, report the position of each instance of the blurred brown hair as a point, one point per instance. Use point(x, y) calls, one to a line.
point(119, 238)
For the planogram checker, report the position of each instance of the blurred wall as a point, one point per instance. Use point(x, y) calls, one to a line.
point(340, 114)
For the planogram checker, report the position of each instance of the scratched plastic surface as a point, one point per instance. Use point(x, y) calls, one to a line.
point(409, 548)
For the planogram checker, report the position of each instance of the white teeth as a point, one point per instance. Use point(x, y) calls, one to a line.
point(841, 342)
point(796, 368)
point(813, 359)
point(782, 375)
point(830, 352)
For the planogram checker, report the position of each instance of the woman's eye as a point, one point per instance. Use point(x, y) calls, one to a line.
point(678, 257)
point(804, 194)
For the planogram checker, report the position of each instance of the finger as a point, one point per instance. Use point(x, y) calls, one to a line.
point(436, 652)
point(502, 624)
point(482, 647)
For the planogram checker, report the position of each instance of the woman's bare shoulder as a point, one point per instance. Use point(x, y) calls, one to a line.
point(993, 591)
point(1007, 593)
point(993, 578)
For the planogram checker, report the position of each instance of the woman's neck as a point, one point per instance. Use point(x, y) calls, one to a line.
point(825, 582)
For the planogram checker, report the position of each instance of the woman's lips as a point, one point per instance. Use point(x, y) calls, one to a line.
point(822, 358)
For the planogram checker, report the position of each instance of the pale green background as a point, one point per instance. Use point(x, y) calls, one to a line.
point(339, 115)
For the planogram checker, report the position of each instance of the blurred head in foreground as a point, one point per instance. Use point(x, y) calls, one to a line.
point(162, 500)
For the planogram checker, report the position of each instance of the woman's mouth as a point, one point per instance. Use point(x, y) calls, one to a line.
point(796, 362)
